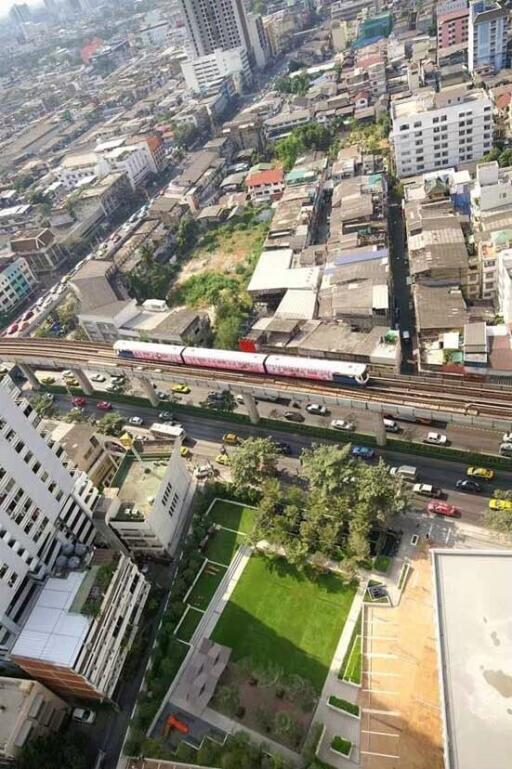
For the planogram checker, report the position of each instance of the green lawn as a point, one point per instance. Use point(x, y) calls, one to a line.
point(236, 517)
point(206, 586)
point(190, 622)
point(351, 668)
point(223, 545)
point(279, 614)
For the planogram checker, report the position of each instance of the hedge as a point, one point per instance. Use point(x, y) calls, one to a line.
point(341, 745)
point(382, 564)
point(393, 444)
point(341, 704)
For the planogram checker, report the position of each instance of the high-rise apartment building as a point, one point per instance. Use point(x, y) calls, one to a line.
point(487, 36)
point(20, 13)
point(224, 24)
point(45, 503)
point(439, 130)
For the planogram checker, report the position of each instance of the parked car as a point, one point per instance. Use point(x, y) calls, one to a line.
point(343, 424)
point(231, 439)
point(165, 416)
point(136, 421)
point(293, 416)
point(390, 426)
point(48, 380)
point(443, 508)
point(500, 504)
point(507, 438)
point(203, 471)
point(480, 472)
point(180, 388)
point(185, 451)
point(79, 401)
point(437, 439)
point(104, 405)
point(162, 396)
point(222, 459)
point(470, 486)
point(283, 448)
point(317, 408)
point(98, 378)
point(363, 452)
point(426, 490)
point(84, 715)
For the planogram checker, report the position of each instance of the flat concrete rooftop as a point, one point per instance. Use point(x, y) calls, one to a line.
point(474, 616)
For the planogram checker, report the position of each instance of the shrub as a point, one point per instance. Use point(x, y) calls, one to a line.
point(341, 745)
point(382, 563)
point(341, 704)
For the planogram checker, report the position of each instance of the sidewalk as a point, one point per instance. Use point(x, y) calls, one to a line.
point(337, 723)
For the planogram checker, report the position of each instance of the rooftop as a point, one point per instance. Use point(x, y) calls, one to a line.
point(474, 609)
point(140, 485)
point(439, 307)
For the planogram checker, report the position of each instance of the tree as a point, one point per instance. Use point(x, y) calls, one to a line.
point(77, 416)
point(111, 424)
point(228, 328)
point(328, 468)
point(186, 235)
point(54, 751)
point(67, 313)
point(253, 462)
point(43, 406)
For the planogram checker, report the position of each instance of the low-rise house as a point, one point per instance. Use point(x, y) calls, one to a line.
point(265, 186)
point(40, 250)
point(281, 124)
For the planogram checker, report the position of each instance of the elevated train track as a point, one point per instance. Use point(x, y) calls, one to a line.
point(390, 391)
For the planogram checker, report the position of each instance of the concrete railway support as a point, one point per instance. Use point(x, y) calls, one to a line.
point(28, 371)
point(149, 390)
point(83, 381)
point(250, 404)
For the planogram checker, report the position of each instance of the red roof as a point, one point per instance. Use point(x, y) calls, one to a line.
point(503, 100)
point(275, 176)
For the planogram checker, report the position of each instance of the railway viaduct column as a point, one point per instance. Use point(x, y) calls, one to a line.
point(149, 391)
point(83, 381)
point(28, 371)
point(250, 404)
point(380, 432)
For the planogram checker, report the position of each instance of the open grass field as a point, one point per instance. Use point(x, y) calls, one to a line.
point(232, 516)
point(205, 587)
point(280, 615)
point(223, 545)
point(190, 622)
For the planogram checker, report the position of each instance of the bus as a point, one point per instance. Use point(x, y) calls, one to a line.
point(168, 432)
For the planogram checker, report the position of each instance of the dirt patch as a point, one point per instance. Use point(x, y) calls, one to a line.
point(401, 721)
point(223, 250)
point(264, 707)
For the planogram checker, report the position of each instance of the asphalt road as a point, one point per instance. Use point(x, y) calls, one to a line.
point(403, 314)
point(468, 438)
point(204, 438)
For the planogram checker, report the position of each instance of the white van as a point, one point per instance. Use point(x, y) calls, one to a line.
point(407, 472)
point(390, 426)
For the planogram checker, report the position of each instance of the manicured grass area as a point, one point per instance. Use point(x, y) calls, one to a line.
point(341, 704)
point(351, 667)
point(236, 517)
point(205, 587)
point(190, 621)
point(222, 546)
point(289, 618)
point(382, 564)
point(341, 745)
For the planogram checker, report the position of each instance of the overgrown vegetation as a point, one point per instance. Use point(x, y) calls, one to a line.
point(298, 85)
point(310, 137)
point(500, 153)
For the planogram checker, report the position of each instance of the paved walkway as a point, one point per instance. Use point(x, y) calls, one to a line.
point(335, 722)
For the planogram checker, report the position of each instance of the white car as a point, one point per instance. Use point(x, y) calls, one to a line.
point(136, 421)
point(438, 439)
point(98, 378)
point(203, 471)
point(317, 408)
point(343, 424)
point(507, 438)
point(84, 715)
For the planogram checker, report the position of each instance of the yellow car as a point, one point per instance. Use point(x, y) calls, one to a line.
point(222, 459)
point(231, 439)
point(185, 451)
point(180, 388)
point(71, 382)
point(480, 472)
point(500, 504)
point(48, 380)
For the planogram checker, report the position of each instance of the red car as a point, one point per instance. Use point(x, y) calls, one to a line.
point(443, 508)
point(27, 315)
point(12, 329)
point(104, 406)
point(79, 401)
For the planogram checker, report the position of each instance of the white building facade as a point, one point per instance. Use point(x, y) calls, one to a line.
point(17, 282)
point(206, 72)
point(487, 36)
point(440, 130)
point(45, 502)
